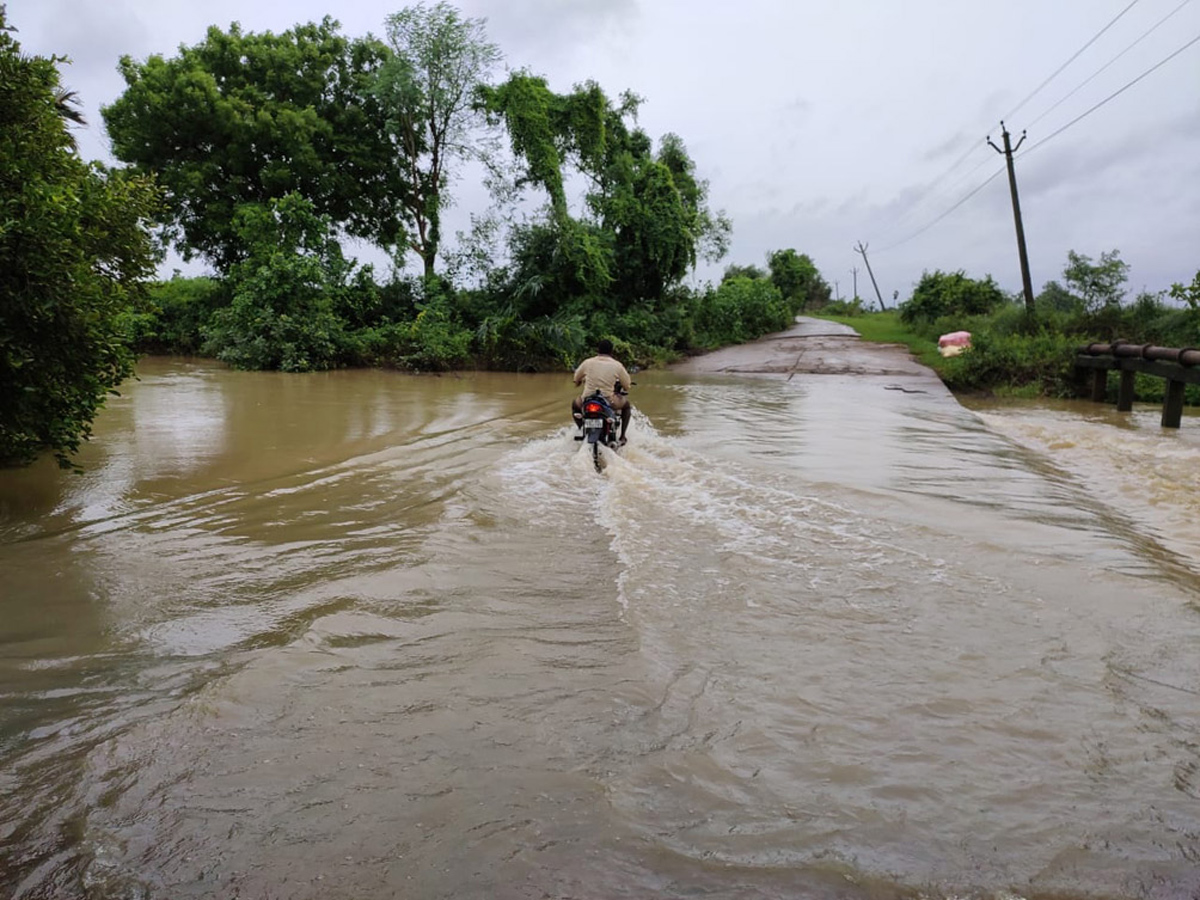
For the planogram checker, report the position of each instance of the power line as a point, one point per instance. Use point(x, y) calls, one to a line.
point(1091, 77)
point(1076, 55)
point(894, 226)
point(894, 222)
point(1044, 140)
point(938, 180)
point(1111, 96)
point(961, 201)
point(967, 176)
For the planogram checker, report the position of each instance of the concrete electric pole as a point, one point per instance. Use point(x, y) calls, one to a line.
point(862, 248)
point(1008, 152)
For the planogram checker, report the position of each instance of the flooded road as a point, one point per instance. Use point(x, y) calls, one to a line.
point(364, 635)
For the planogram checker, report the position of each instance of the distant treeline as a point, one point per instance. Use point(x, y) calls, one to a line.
point(285, 320)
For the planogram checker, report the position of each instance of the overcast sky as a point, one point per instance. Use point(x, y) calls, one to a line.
point(821, 123)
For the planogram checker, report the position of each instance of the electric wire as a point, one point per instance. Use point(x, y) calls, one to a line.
point(968, 176)
point(1054, 134)
point(901, 223)
point(1074, 57)
point(1113, 95)
point(1103, 68)
point(1044, 140)
point(939, 179)
point(961, 201)
point(901, 220)
point(895, 222)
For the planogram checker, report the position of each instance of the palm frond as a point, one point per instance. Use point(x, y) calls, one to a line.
point(66, 103)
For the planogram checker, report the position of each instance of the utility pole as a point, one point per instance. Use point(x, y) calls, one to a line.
point(862, 248)
point(854, 272)
point(1008, 152)
point(837, 294)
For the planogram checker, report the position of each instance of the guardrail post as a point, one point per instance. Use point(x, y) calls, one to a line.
point(1178, 367)
point(1125, 393)
point(1172, 413)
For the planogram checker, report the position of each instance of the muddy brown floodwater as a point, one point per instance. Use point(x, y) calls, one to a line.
point(821, 632)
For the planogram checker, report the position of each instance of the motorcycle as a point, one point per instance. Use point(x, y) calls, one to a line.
point(601, 426)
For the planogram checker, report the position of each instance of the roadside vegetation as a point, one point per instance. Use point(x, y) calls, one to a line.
point(74, 255)
point(1014, 353)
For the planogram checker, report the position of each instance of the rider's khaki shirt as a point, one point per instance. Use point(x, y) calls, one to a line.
point(601, 373)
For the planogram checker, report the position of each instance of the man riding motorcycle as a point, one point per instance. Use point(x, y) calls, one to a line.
point(604, 374)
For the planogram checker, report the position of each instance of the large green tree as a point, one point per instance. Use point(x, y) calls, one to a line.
point(73, 252)
point(427, 89)
point(798, 280)
point(1100, 284)
point(283, 313)
point(645, 219)
point(250, 118)
point(654, 207)
point(939, 294)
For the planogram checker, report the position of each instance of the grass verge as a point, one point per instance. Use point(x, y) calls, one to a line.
point(886, 328)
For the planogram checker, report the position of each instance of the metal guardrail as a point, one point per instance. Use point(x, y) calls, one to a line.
point(1172, 363)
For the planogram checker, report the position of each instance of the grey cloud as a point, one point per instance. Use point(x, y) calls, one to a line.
point(528, 29)
point(94, 36)
point(798, 107)
point(950, 148)
point(1114, 160)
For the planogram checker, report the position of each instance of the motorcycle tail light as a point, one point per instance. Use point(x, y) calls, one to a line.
point(593, 409)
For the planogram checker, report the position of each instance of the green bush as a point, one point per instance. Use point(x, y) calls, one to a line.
point(844, 308)
point(432, 341)
point(1188, 293)
point(1043, 361)
point(653, 333)
point(952, 295)
point(175, 315)
point(740, 309)
point(436, 342)
point(280, 318)
point(505, 341)
point(284, 295)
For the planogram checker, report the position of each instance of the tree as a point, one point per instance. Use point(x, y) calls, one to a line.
point(249, 118)
point(548, 131)
point(739, 309)
point(645, 218)
point(798, 280)
point(1189, 294)
point(1099, 285)
point(1055, 298)
point(73, 252)
point(282, 315)
point(712, 231)
point(751, 271)
point(66, 104)
point(427, 90)
point(656, 210)
point(939, 294)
